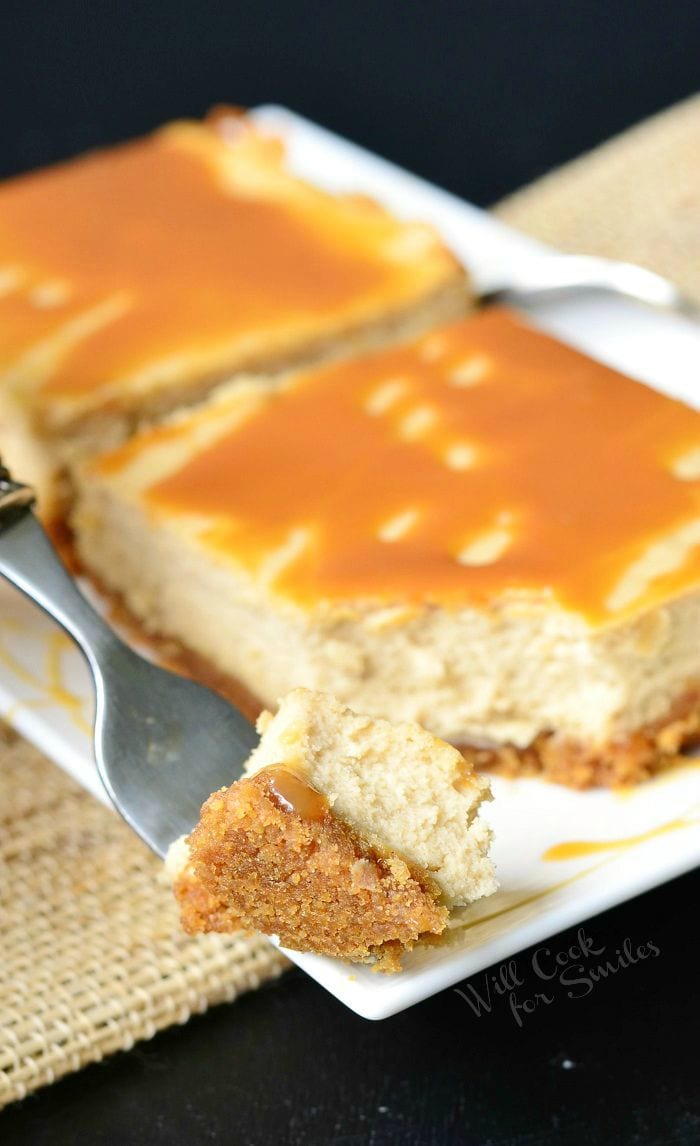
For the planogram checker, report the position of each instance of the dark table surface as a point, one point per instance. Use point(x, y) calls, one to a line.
point(481, 98)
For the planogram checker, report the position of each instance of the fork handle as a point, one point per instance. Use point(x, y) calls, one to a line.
point(553, 274)
point(29, 561)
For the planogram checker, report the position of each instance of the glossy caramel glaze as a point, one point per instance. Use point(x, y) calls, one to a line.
point(292, 791)
point(144, 257)
point(484, 459)
point(576, 849)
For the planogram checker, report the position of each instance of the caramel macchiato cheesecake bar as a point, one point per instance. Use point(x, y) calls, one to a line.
point(483, 531)
point(135, 278)
point(347, 836)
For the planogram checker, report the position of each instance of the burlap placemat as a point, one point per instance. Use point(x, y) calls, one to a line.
point(92, 958)
point(635, 198)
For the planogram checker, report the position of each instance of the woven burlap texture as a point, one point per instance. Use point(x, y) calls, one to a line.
point(635, 198)
point(92, 957)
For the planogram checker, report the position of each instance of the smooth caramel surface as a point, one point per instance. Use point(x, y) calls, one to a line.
point(483, 459)
point(134, 258)
point(290, 789)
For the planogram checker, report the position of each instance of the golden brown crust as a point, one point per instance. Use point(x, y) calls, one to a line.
point(629, 760)
point(313, 882)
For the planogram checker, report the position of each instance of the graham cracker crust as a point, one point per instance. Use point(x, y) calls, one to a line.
point(312, 881)
point(646, 752)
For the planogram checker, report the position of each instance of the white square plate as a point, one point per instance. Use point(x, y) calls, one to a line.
point(644, 836)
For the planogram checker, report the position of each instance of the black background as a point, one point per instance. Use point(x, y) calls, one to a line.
point(480, 97)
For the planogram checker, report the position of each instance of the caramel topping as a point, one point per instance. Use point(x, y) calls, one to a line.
point(292, 791)
point(484, 459)
point(576, 849)
point(176, 247)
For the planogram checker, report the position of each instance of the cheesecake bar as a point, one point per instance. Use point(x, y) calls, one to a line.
point(484, 531)
point(348, 836)
point(136, 277)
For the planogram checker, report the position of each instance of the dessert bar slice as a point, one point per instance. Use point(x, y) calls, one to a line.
point(348, 836)
point(484, 531)
point(135, 278)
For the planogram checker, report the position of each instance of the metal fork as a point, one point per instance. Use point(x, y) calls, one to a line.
point(541, 277)
point(162, 743)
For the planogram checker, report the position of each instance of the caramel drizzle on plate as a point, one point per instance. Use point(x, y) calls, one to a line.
point(484, 459)
point(576, 849)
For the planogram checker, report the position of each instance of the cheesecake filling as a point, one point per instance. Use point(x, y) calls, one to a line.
point(306, 849)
